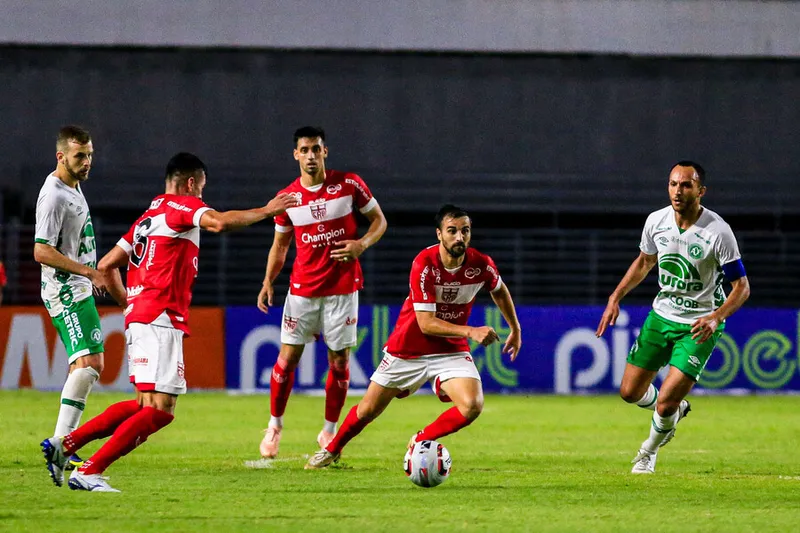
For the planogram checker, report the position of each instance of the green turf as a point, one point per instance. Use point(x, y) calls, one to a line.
point(533, 463)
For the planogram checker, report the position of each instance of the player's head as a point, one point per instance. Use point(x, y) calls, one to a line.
point(310, 149)
point(74, 152)
point(186, 175)
point(686, 185)
point(453, 229)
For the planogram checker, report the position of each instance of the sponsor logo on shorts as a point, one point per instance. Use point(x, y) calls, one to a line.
point(74, 330)
point(289, 323)
point(351, 321)
point(472, 273)
point(449, 294)
point(97, 335)
point(181, 370)
point(634, 348)
point(694, 361)
point(468, 358)
point(384, 365)
point(140, 361)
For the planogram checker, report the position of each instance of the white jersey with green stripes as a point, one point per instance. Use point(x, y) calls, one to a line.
point(689, 263)
point(63, 221)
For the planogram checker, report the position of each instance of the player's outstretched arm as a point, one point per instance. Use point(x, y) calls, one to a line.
point(48, 255)
point(430, 325)
point(636, 273)
point(109, 267)
point(219, 221)
point(502, 298)
point(705, 326)
point(275, 262)
point(349, 249)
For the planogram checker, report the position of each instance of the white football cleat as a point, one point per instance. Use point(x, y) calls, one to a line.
point(644, 462)
point(90, 482)
point(683, 411)
point(322, 459)
point(54, 457)
point(270, 443)
point(324, 438)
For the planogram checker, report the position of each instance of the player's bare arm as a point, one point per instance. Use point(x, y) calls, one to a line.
point(351, 249)
point(502, 298)
point(636, 273)
point(430, 325)
point(219, 221)
point(275, 261)
point(705, 326)
point(109, 267)
point(48, 255)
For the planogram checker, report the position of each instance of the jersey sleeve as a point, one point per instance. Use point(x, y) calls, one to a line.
point(49, 219)
point(362, 196)
point(423, 290)
point(126, 241)
point(648, 245)
point(283, 224)
point(726, 250)
point(185, 215)
point(492, 280)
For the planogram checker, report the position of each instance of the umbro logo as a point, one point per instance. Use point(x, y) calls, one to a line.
point(694, 361)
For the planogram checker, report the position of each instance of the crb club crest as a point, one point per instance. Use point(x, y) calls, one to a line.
point(318, 211)
point(289, 323)
point(449, 294)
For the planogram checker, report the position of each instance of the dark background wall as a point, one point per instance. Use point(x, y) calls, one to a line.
point(502, 133)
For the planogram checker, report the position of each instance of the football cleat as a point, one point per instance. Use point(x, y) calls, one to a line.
point(322, 459)
point(53, 452)
point(90, 482)
point(324, 438)
point(644, 462)
point(683, 411)
point(73, 462)
point(270, 443)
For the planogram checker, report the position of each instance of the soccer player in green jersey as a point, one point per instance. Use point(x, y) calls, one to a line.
point(65, 247)
point(695, 251)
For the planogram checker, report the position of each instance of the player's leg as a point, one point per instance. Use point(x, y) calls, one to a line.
point(156, 354)
point(649, 353)
point(300, 323)
point(340, 328)
point(467, 395)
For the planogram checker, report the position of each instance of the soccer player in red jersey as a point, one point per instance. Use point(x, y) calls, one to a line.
point(429, 341)
point(325, 280)
point(161, 250)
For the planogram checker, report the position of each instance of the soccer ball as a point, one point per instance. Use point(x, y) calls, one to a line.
point(427, 464)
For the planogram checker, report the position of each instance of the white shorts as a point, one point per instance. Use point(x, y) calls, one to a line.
point(155, 358)
point(411, 374)
point(336, 317)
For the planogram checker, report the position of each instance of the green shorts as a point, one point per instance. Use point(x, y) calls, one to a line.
point(663, 342)
point(79, 329)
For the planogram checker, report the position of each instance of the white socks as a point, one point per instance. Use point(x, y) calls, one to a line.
point(275, 422)
point(648, 401)
point(73, 399)
point(659, 430)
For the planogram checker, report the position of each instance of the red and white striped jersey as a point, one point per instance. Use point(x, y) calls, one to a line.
point(163, 245)
point(323, 217)
point(450, 294)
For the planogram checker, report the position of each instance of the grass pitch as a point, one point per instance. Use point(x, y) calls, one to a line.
point(537, 463)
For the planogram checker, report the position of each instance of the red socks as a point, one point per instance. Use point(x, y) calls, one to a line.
point(448, 422)
point(351, 427)
point(130, 434)
point(100, 426)
point(336, 391)
point(280, 387)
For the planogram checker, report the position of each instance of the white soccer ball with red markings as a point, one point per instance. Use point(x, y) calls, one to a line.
point(427, 464)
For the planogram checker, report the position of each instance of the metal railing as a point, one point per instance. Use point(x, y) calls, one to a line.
point(541, 266)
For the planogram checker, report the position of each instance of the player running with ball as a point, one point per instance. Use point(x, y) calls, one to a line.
point(695, 251)
point(429, 341)
point(161, 251)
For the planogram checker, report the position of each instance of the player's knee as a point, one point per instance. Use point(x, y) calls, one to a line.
point(629, 395)
point(667, 407)
point(472, 408)
point(367, 411)
point(338, 364)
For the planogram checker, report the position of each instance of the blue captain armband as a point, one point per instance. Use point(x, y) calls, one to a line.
point(734, 270)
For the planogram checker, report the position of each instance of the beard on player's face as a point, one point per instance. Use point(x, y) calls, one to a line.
point(78, 172)
point(457, 249)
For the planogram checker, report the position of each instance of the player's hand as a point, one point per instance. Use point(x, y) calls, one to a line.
point(347, 251)
point(513, 344)
point(281, 203)
point(99, 282)
point(609, 317)
point(704, 327)
point(484, 335)
point(265, 297)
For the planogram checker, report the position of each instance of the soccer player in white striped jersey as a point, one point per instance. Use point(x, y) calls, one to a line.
point(695, 250)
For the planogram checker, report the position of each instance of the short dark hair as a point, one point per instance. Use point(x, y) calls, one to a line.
point(71, 133)
point(183, 166)
point(701, 172)
point(310, 132)
point(452, 211)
